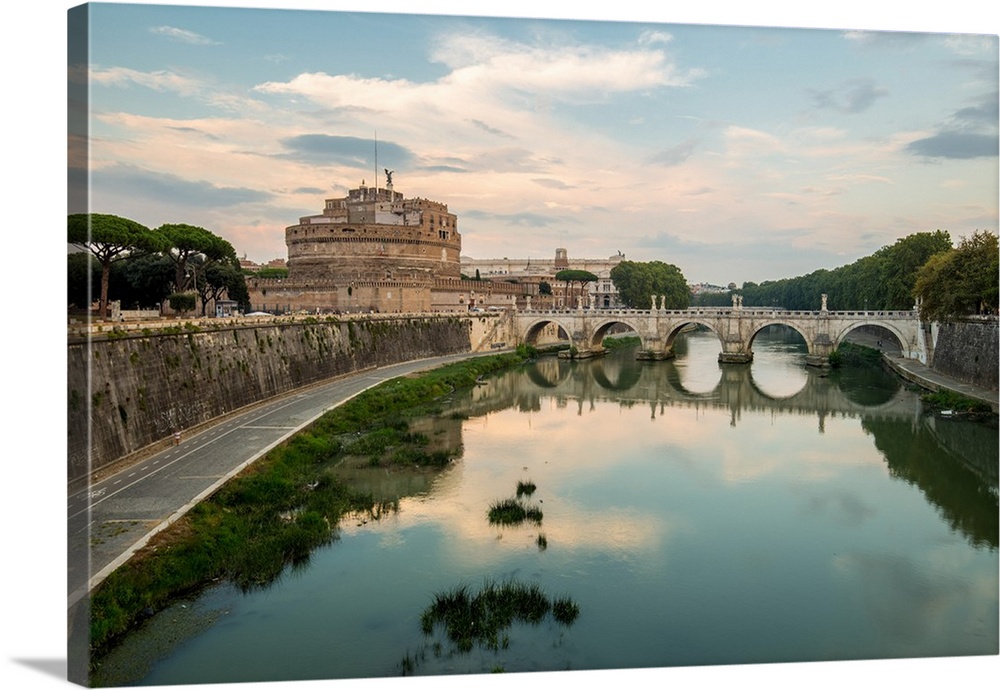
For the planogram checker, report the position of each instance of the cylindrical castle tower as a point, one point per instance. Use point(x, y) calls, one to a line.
point(375, 234)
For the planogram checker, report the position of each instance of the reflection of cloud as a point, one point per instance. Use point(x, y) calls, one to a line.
point(911, 604)
point(845, 509)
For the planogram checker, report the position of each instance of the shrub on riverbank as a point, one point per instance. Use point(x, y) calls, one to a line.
point(949, 400)
point(620, 342)
point(851, 354)
point(279, 509)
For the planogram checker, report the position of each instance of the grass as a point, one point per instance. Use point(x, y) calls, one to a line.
point(482, 618)
point(277, 511)
point(525, 488)
point(511, 511)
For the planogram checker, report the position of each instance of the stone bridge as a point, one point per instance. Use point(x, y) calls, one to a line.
point(736, 328)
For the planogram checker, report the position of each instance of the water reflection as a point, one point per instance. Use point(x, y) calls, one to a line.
point(776, 382)
point(953, 463)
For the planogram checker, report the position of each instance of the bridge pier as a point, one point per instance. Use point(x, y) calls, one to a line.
point(735, 357)
point(575, 353)
point(654, 355)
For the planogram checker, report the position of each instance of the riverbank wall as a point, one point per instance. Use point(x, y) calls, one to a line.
point(129, 392)
point(968, 351)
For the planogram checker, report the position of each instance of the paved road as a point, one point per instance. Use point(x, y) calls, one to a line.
point(117, 515)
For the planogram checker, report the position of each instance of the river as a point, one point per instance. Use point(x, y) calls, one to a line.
point(694, 513)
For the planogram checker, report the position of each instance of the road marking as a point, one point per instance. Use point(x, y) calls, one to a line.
point(182, 455)
point(280, 428)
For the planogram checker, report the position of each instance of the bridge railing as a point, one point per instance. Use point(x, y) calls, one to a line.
point(727, 311)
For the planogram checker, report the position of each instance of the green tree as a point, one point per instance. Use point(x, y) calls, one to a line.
point(223, 279)
point(182, 302)
point(270, 273)
point(571, 276)
point(110, 238)
point(637, 282)
point(83, 272)
point(882, 280)
point(188, 241)
point(142, 279)
point(897, 266)
point(960, 281)
point(544, 288)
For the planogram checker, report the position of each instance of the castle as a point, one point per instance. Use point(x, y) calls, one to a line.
point(376, 251)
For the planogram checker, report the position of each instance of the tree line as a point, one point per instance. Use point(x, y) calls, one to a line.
point(142, 267)
point(947, 281)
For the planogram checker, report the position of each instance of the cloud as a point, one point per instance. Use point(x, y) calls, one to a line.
point(653, 37)
point(851, 97)
point(160, 80)
point(970, 132)
point(520, 220)
point(893, 40)
point(331, 149)
point(675, 155)
point(182, 35)
point(551, 184)
point(485, 71)
point(956, 145)
point(491, 130)
point(135, 182)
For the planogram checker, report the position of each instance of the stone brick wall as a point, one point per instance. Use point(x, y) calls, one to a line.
point(143, 388)
point(968, 351)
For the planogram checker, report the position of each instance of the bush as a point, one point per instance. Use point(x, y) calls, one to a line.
point(182, 301)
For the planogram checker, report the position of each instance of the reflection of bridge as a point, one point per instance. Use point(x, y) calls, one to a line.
point(735, 327)
point(629, 383)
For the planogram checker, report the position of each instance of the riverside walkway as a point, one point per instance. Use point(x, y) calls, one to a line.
point(925, 377)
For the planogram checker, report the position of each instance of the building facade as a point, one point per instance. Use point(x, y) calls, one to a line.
point(601, 293)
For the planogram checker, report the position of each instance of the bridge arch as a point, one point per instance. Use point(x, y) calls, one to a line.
point(679, 327)
point(535, 330)
point(810, 345)
point(882, 326)
point(603, 327)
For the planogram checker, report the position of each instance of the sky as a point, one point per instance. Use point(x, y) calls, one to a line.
point(736, 153)
point(793, 160)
